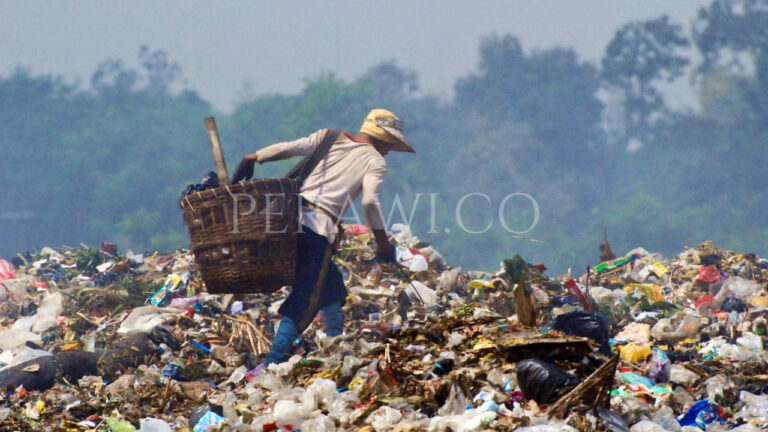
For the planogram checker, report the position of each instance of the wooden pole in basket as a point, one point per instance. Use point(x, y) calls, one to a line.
point(218, 154)
point(221, 172)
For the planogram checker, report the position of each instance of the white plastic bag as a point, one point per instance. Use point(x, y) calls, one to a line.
point(48, 313)
point(384, 418)
point(318, 424)
point(288, 412)
point(678, 374)
point(751, 342)
point(550, 426)
point(756, 406)
point(146, 318)
point(742, 288)
point(24, 323)
point(154, 425)
point(11, 339)
point(320, 394)
point(646, 426)
point(418, 263)
point(419, 292)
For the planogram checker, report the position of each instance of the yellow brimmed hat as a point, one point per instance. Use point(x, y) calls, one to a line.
point(385, 126)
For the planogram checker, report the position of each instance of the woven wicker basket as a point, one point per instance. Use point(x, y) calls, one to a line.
point(251, 250)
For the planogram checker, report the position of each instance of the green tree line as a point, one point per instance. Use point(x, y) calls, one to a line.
point(595, 145)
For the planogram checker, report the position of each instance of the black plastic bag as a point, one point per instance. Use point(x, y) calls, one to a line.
point(587, 324)
point(733, 304)
point(197, 413)
point(130, 352)
point(544, 382)
point(161, 335)
point(41, 373)
point(443, 366)
point(74, 365)
point(612, 421)
point(37, 374)
point(210, 180)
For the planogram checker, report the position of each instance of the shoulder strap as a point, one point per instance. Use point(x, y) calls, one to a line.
point(304, 168)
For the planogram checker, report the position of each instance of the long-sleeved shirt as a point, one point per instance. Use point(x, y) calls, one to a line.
point(349, 168)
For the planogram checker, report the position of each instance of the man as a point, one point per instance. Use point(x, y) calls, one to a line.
point(354, 163)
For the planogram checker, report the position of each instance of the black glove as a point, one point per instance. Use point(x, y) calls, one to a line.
point(385, 256)
point(244, 170)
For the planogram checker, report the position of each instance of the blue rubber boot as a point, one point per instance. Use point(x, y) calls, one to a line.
point(282, 344)
point(333, 319)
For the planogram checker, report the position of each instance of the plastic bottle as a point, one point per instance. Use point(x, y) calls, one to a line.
point(374, 274)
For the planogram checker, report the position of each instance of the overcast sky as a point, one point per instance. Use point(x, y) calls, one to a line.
point(221, 45)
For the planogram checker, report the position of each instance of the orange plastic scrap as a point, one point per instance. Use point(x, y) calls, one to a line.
point(72, 346)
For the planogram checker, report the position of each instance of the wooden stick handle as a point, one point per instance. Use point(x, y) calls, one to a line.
point(218, 154)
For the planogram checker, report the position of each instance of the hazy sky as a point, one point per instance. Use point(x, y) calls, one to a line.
point(221, 45)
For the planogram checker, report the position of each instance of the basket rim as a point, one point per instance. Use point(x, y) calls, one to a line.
point(225, 190)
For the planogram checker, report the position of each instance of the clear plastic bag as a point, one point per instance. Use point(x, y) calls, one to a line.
point(550, 426)
point(154, 425)
point(11, 339)
point(755, 406)
point(384, 418)
point(742, 288)
point(646, 426)
point(751, 342)
point(666, 418)
point(321, 394)
point(318, 424)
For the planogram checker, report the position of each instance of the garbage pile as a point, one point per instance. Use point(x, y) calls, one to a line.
point(96, 340)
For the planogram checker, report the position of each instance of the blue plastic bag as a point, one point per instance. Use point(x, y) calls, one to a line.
point(209, 421)
point(700, 414)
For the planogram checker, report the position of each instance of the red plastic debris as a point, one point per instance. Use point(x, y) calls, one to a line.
point(708, 298)
point(7, 270)
point(574, 289)
point(358, 229)
point(708, 274)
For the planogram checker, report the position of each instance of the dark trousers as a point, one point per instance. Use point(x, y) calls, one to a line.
point(312, 250)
